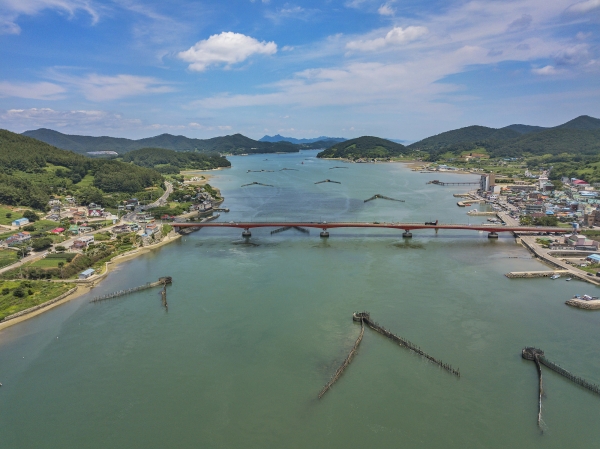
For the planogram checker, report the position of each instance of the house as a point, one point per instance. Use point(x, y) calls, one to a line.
point(74, 229)
point(57, 230)
point(581, 243)
point(593, 258)
point(87, 239)
point(87, 273)
point(20, 221)
point(16, 239)
point(95, 212)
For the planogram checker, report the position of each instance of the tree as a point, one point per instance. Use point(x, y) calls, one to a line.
point(30, 215)
point(8, 215)
point(526, 220)
point(61, 248)
point(41, 244)
point(89, 195)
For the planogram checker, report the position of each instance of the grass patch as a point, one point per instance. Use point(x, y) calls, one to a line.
point(8, 257)
point(7, 210)
point(20, 295)
point(87, 181)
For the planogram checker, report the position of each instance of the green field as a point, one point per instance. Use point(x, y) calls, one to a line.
point(7, 257)
point(7, 221)
point(33, 293)
point(87, 181)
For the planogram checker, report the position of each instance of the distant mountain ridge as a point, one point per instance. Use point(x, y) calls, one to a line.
point(280, 138)
point(233, 144)
point(580, 135)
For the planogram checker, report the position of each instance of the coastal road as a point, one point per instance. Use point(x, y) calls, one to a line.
point(163, 199)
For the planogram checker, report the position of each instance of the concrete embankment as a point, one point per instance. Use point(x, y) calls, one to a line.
point(40, 306)
point(581, 304)
point(534, 274)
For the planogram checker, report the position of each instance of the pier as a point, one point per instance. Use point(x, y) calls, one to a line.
point(534, 274)
point(537, 355)
point(440, 183)
point(164, 281)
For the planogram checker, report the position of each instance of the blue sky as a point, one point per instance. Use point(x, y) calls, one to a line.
point(402, 69)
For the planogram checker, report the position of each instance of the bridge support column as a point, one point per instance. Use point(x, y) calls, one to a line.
point(324, 234)
point(246, 233)
point(493, 235)
point(407, 235)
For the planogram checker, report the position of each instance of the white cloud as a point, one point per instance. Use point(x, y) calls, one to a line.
point(386, 9)
point(96, 87)
point(583, 7)
point(395, 36)
point(226, 48)
point(547, 70)
point(36, 91)
point(10, 10)
point(23, 119)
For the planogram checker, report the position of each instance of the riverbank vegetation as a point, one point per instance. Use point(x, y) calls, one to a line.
point(17, 295)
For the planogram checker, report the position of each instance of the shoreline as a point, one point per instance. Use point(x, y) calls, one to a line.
point(86, 286)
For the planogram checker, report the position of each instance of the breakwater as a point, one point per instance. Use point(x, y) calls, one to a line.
point(162, 281)
point(537, 355)
point(366, 317)
point(346, 362)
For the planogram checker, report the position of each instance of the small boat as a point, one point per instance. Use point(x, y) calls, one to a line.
point(568, 279)
point(468, 204)
point(555, 276)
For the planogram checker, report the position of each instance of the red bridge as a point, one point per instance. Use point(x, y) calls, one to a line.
point(492, 229)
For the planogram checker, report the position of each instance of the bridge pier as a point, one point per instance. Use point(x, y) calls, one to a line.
point(324, 234)
point(493, 235)
point(407, 235)
point(246, 233)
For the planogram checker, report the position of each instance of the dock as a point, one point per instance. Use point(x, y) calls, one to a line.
point(593, 304)
point(477, 213)
point(534, 274)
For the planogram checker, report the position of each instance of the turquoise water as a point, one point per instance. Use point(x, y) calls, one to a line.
point(254, 330)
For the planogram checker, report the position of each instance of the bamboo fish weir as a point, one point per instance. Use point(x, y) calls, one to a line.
point(365, 318)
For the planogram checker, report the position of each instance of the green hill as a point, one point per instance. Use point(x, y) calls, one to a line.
point(364, 147)
point(31, 170)
point(169, 161)
point(580, 136)
point(234, 144)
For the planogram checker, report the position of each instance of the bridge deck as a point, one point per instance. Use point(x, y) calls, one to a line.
point(399, 226)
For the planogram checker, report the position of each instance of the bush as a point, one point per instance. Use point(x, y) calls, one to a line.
point(19, 292)
point(5, 291)
point(29, 228)
point(61, 248)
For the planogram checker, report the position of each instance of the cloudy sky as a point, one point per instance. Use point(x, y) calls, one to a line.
point(402, 69)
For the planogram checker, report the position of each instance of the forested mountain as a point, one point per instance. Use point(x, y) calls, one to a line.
point(234, 144)
point(30, 170)
point(169, 161)
point(279, 138)
point(364, 147)
point(580, 136)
